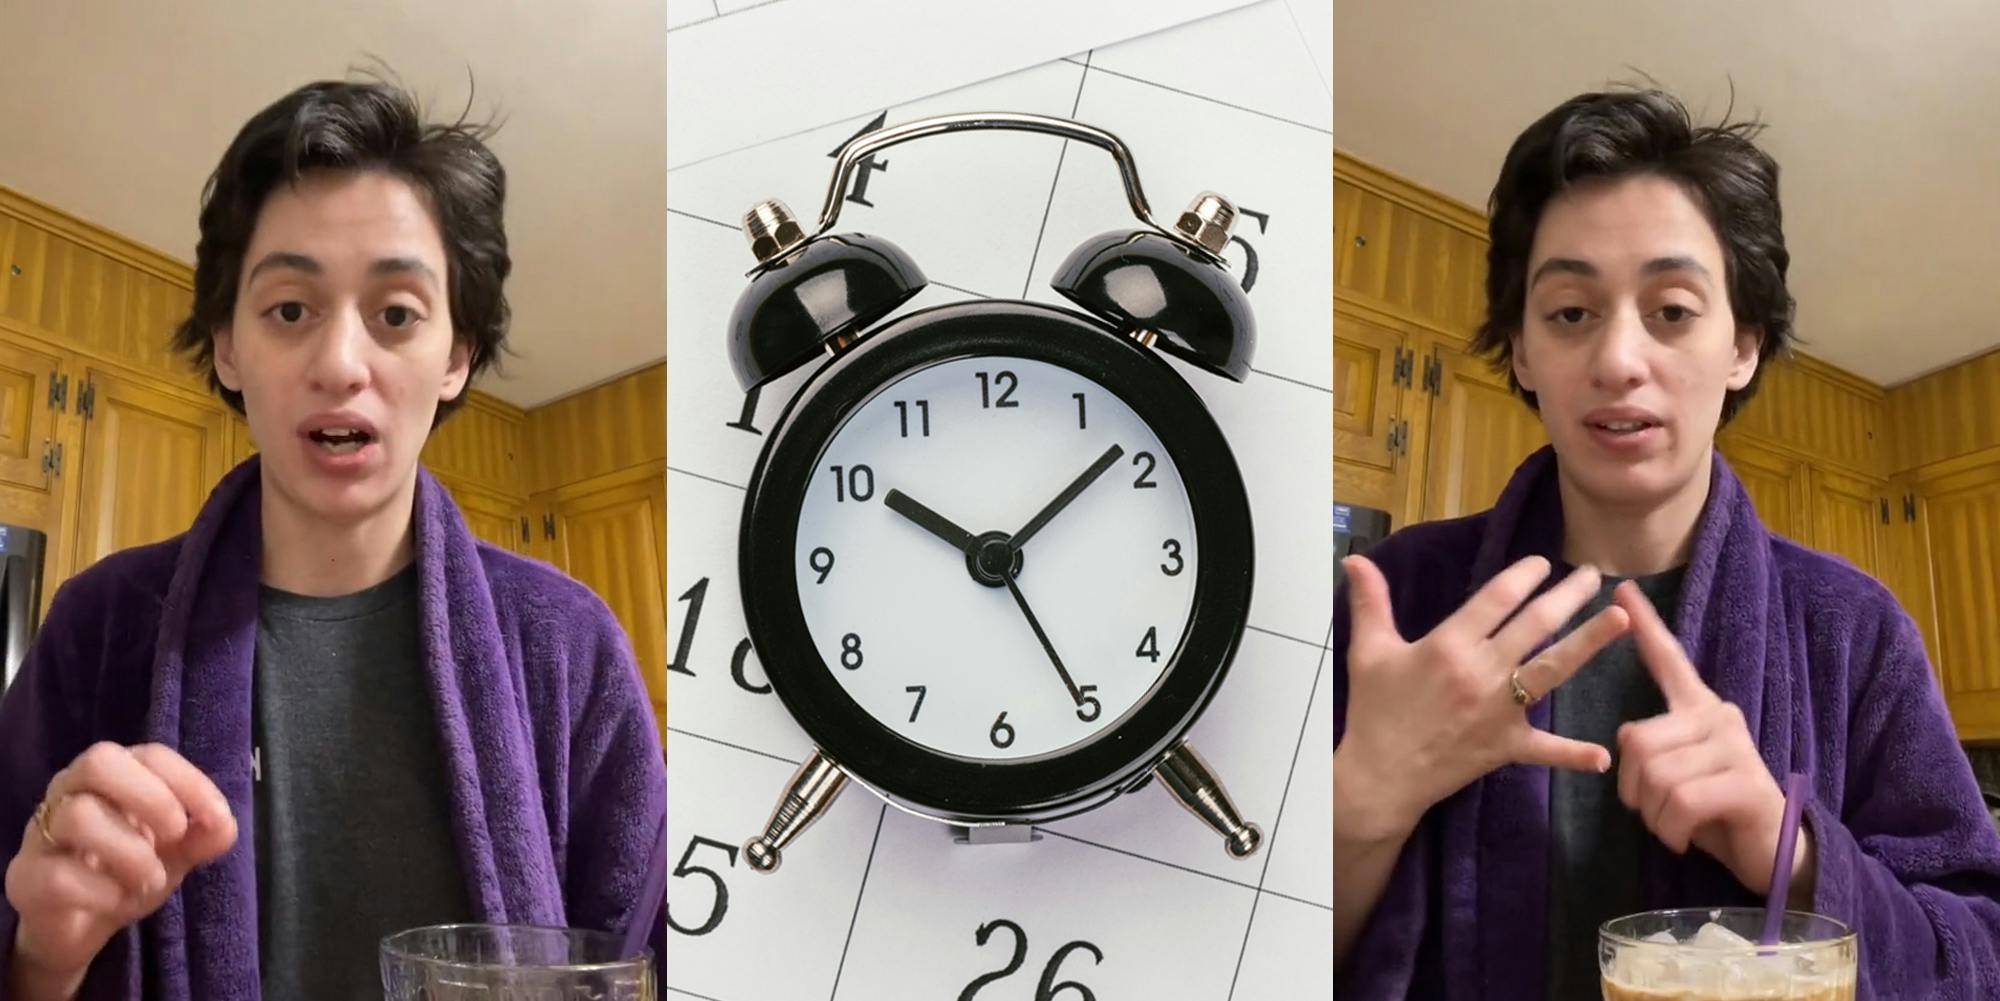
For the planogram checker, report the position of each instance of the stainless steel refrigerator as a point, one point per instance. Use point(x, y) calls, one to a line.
point(21, 551)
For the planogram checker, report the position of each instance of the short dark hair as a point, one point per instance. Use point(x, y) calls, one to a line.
point(1626, 133)
point(358, 126)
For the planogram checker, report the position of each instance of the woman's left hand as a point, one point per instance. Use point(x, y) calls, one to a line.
point(1694, 774)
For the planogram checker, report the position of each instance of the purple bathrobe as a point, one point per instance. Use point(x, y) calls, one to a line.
point(1831, 675)
point(557, 780)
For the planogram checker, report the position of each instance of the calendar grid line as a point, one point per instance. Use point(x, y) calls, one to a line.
point(1307, 44)
point(719, 15)
point(691, 994)
point(859, 894)
point(1249, 925)
point(1296, 382)
point(1297, 900)
point(955, 288)
point(1055, 182)
point(699, 476)
point(1204, 97)
point(699, 218)
point(737, 747)
point(1286, 636)
point(1271, 844)
point(1147, 858)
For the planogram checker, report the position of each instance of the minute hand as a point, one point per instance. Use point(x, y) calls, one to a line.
point(1069, 493)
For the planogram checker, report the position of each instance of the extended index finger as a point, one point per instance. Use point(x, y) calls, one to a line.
point(1669, 664)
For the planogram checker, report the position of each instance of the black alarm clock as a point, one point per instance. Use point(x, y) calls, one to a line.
point(995, 555)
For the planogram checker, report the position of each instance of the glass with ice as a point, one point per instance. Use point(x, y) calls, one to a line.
point(1711, 954)
point(512, 963)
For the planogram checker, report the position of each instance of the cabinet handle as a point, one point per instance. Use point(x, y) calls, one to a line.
point(1361, 241)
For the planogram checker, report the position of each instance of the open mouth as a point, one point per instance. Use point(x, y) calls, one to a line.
point(341, 441)
point(1623, 427)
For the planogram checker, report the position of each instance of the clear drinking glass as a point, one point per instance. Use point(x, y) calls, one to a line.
point(1662, 955)
point(512, 963)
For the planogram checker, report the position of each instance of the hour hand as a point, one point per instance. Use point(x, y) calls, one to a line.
point(929, 520)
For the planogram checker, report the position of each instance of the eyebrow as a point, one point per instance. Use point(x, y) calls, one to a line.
point(385, 266)
point(404, 266)
point(1656, 266)
point(285, 259)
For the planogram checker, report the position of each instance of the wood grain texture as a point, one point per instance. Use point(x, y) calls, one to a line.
point(611, 534)
point(148, 462)
point(618, 425)
point(1836, 419)
point(481, 444)
point(1961, 505)
point(1947, 414)
point(1478, 434)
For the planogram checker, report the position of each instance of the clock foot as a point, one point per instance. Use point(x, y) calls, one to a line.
point(813, 788)
point(1188, 777)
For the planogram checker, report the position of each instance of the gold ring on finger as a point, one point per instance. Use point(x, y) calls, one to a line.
point(43, 813)
point(1522, 697)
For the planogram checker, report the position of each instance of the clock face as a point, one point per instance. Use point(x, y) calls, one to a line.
point(934, 612)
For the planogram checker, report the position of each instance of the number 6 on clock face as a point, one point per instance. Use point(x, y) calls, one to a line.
point(901, 608)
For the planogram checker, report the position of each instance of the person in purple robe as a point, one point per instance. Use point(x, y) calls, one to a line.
point(237, 759)
point(1579, 704)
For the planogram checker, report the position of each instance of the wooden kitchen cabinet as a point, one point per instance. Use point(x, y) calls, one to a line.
point(1477, 434)
point(147, 461)
point(1779, 485)
point(1370, 467)
point(1850, 518)
point(1958, 504)
point(610, 532)
point(500, 520)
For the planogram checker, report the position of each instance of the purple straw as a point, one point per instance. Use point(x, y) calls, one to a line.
point(655, 890)
point(1781, 869)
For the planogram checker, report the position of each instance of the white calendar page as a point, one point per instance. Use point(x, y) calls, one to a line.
point(1136, 900)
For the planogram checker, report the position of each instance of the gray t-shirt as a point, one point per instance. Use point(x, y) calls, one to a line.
point(1595, 841)
point(353, 813)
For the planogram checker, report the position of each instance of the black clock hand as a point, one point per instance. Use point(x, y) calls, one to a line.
point(929, 520)
point(1019, 599)
point(1069, 494)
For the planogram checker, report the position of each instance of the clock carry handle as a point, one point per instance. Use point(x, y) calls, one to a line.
point(861, 147)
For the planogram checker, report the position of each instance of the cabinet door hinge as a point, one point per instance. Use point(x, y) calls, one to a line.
point(1909, 507)
point(1434, 375)
point(56, 460)
point(525, 535)
point(58, 391)
point(548, 526)
point(1885, 510)
point(86, 399)
point(1400, 375)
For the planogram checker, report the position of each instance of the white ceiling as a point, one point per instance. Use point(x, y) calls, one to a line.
point(1882, 118)
point(116, 112)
